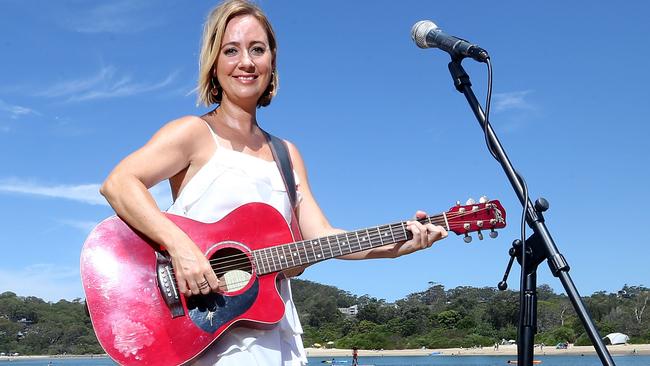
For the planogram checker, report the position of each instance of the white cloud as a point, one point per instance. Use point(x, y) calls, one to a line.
point(85, 193)
point(47, 281)
point(126, 16)
point(16, 111)
point(511, 100)
point(84, 226)
point(103, 85)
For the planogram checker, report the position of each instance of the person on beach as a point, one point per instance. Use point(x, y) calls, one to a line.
point(221, 160)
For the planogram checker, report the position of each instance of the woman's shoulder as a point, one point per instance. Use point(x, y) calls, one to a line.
point(186, 127)
point(185, 124)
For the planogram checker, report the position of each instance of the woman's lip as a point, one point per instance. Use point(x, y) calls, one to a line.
point(245, 77)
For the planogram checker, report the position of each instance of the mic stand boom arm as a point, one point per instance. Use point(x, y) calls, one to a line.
point(540, 242)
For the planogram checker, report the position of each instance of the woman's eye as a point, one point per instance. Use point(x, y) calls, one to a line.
point(230, 51)
point(258, 51)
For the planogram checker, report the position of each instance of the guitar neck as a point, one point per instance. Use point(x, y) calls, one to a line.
point(305, 252)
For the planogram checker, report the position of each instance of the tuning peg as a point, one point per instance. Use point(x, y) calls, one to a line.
point(480, 235)
point(467, 238)
point(483, 199)
point(493, 234)
point(470, 201)
point(457, 203)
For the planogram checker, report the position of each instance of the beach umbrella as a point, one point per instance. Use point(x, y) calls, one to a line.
point(616, 338)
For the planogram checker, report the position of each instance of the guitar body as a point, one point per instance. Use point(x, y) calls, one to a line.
point(131, 294)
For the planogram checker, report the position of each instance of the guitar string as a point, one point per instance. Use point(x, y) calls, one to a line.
point(438, 221)
point(242, 260)
point(239, 260)
point(232, 259)
point(245, 267)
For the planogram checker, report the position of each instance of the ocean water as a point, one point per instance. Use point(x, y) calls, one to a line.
point(380, 361)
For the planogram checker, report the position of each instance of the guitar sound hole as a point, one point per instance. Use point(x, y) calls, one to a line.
point(233, 268)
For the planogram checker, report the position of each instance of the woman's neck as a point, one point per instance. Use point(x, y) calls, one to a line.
point(238, 118)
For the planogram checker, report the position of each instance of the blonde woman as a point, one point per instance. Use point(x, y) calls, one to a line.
point(222, 160)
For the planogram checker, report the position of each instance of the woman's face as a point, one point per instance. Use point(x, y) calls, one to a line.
point(244, 64)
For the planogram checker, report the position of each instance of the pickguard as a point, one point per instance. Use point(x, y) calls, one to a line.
point(210, 312)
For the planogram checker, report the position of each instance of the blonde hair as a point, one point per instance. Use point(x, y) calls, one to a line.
point(213, 31)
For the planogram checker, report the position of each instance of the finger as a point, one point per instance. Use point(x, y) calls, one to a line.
point(212, 280)
point(204, 287)
point(182, 285)
point(419, 234)
point(420, 214)
point(424, 237)
point(436, 232)
point(193, 285)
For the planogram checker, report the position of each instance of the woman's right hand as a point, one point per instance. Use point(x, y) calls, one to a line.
point(173, 149)
point(194, 273)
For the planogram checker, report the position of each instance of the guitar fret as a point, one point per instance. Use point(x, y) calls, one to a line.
point(313, 254)
point(256, 262)
point(368, 238)
point(284, 256)
point(296, 254)
point(390, 227)
point(293, 262)
point(356, 234)
point(330, 244)
point(406, 237)
point(319, 245)
point(444, 215)
point(385, 233)
point(277, 256)
point(346, 242)
point(269, 259)
point(350, 242)
point(379, 233)
point(261, 254)
point(303, 252)
point(323, 244)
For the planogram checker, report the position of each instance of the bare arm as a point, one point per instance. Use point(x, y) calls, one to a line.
point(314, 224)
point(169, 151)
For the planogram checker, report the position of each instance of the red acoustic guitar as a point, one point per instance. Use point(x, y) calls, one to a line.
point(139, 316)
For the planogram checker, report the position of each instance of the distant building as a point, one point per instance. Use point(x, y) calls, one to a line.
point(350, 311)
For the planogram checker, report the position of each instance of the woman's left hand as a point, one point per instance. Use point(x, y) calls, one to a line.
point(424, 235)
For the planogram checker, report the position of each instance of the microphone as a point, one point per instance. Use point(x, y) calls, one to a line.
point(426, 34)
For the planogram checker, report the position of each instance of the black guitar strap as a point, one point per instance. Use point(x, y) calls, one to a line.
point(283, 160)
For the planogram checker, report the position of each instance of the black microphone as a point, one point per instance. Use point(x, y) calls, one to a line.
point(426, 34)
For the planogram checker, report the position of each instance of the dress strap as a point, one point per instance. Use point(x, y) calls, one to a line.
point(214, 134)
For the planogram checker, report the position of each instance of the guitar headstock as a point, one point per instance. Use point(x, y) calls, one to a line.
point(485, 215)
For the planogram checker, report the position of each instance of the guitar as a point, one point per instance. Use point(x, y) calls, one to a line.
point(139, 316)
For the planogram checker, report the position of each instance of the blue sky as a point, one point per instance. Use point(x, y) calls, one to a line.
point(380, 126)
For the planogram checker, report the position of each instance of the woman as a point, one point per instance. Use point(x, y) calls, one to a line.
point(222, 160)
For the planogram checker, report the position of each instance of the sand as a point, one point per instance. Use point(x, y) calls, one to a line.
point(504, 350)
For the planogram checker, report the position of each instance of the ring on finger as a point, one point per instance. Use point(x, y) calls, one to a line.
point(203, 284)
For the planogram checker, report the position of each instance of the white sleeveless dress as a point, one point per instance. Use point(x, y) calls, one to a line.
point(228, 180)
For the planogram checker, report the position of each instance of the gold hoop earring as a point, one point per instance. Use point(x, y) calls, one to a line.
point(215, 88)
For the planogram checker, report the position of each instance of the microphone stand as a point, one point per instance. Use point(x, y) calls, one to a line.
point(538, 247)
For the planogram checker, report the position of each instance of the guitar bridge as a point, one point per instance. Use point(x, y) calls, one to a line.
point(167, 285)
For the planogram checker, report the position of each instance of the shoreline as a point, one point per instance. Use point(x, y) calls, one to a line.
point(504, 350)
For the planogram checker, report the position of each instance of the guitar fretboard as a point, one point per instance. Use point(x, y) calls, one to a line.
point(285, 256)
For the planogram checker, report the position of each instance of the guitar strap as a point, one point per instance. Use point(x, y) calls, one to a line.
point(283, 160)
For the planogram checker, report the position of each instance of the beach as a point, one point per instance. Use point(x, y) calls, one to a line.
point(503, 350)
